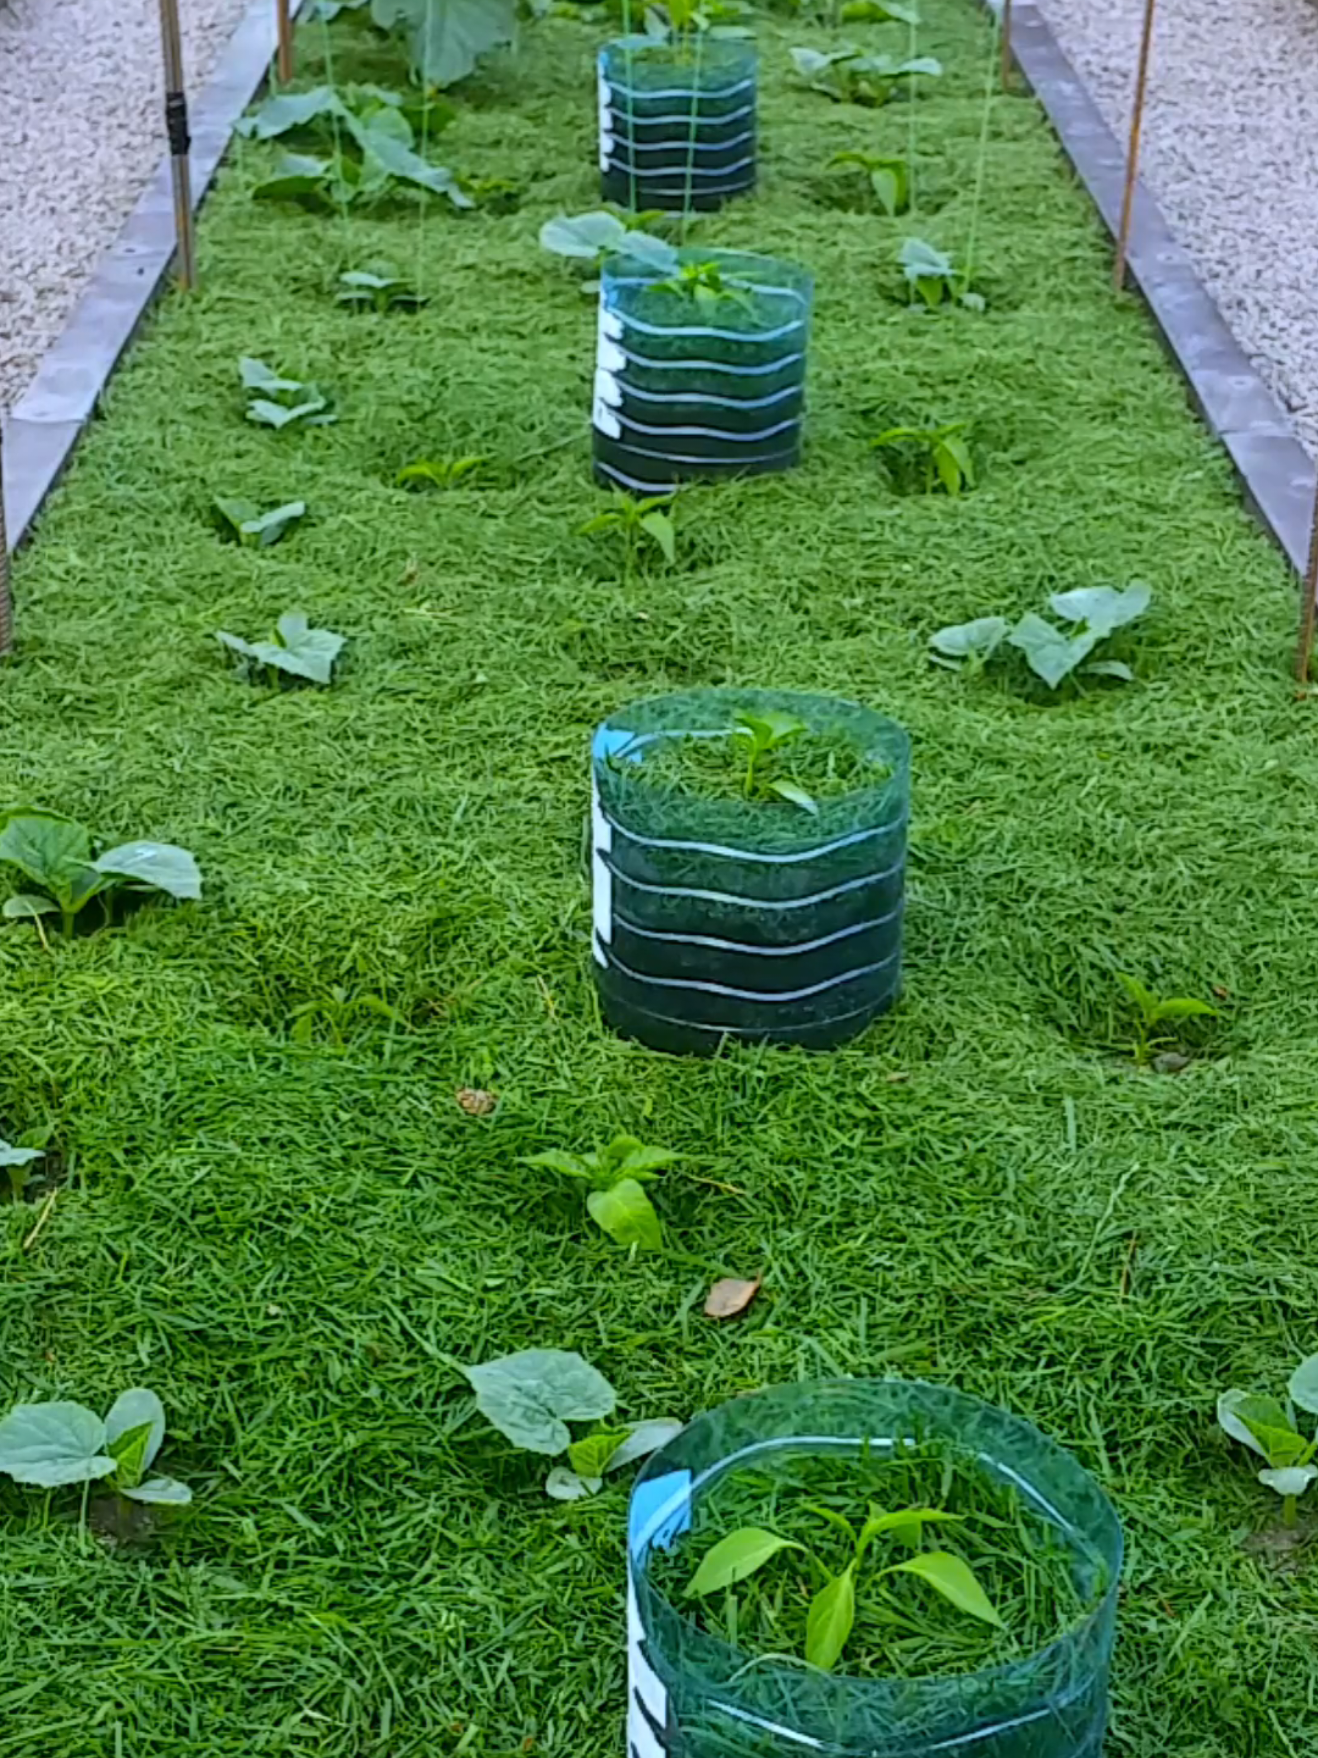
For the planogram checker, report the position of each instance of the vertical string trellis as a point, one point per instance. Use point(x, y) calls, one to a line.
point(1006, 45)
point(627, 69)
point(1133, 148)
point(912, 39)
point(977, 200)
point(176, 128)
point(6, 593)
point(327, 54)
point(694, 128)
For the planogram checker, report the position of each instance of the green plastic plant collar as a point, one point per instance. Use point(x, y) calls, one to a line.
point(746, 918)
point(677, 123)
point(686, 391)
point(694, 1695)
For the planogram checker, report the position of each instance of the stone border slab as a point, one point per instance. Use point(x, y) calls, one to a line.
point(44, 425)
point(1279, 479)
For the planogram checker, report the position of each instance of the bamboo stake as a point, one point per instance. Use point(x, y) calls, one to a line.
point(6, 595)
point(1133, 151)
point(176, 127)
point(285, 23)
point(1006, 45)
point(1309, 606)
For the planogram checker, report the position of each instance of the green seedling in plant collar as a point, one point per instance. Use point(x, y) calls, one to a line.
point(889, 178)
point(616, 1175)
point(380, 288)
point(589, 238)
point(832, 1610)
point(55, 853)
point(51, 1445)
point(17, 1164)
point(759, 738)
point(932, 276)
point(1094, 613)
point(968, 647)
point(297, 650)
point(1270, 1428)
point(642, 524)
point(440, 472)
point(531, 1397)
point(248, 525)
point(848, 77)
point(703, 283)
point(282, 402)
point(940, 457)
point(1154, 1011)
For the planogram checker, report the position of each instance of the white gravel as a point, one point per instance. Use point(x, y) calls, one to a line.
point(81, 131)
point(1231, 153)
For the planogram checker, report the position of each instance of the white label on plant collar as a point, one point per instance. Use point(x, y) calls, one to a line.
point(647, 1701)
point(607, 388)
point(601, 889)
point(610, 325)
point(605, 420)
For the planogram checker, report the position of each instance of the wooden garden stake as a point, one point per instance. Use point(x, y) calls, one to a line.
point(1133, 150)
point(285, 23)
point(1006, 45)
point(176, 127)
point(1309, 607)
point(6, 596)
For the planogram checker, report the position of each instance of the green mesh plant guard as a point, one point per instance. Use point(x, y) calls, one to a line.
point(745, 918)
point(693, 1695)
point(677, 125)
point(688, 389)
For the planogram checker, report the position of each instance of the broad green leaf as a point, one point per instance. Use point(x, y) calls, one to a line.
point(267, 528)
point(810, 63)
point(656, 254)
point(53, 1444)
point(887, 188)
point(446, 38)
point(1261, 1424)
point(532, 1396)
point(129, 1455)
point(922, 261)
point(159, 865)
point(307, 652)
point(131, 1410)
point(289, 110)
point(12, 1156)
point(735, 1557)
point(905, 1525)
point(384, 147)
point(590, 1456)
point(1102, 608)
point(877, 12)
point(627, 1215)
point(1303, 1387)
point(955, 1580)
point(1182, 1007)
point(796, 796)
point(660, 527)
point(257, 376)
point(1110, 668)
point(954, 463)
point(50, 851)
point(1050, 654)
point(976, 639)
point(772, 728)
point(1289, 1480)
point(555, 1160)
point(586, 235)
point(1229, 1403)
point(629, 1158)
point(298, 178)
point(643, 1439)
point(566, 1486)
point(24, 907)
point(232, 515)
point(314, 412)
point(166, 1492)
point(829, 1620)
point(1144, 999)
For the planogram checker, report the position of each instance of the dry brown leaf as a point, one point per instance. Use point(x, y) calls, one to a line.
point(475, 1102)
point(730, 1297)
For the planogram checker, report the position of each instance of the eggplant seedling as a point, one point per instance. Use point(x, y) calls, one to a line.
point(532, 1396)
point(832, 1611)
point(54, 853)
point(1270, 1428)
point(888, 178)
point(639, 525)
point(1153, 1011)
point(935, 457)
point(51, 1445)
point(616, 1174)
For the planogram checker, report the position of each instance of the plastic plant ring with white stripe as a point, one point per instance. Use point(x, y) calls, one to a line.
point(693, 1694)
point(677, 122)
point(747, 918)
point(686, 390)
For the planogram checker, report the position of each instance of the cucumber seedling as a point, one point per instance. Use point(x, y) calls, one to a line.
point(55, 853)
point(932, 275)
point(1269, 1427)
point(297, 650)
point(57, 1444)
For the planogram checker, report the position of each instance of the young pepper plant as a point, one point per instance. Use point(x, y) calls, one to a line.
point(616, 1174)
point(888, 177)
point(1270, 1428)
point(832, 1611)
point(759, 738)
point(54, 853)
point(51, 1445)
point(935, 457)
point(639, 525)
point(1152, 1011)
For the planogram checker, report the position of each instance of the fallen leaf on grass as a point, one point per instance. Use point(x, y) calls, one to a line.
point(1221, 993)
point(475, 1102)
point(730, 1297)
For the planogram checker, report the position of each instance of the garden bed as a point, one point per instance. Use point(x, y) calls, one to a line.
point(295, 1233)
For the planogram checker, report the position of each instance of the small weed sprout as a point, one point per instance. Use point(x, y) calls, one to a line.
point(640, 525)
point(1270, 1428)
point(887, 177)
point(616, 1175)
point(936, 457)
point(832, 1612)
point(531, 1397)
point(1151, 1012)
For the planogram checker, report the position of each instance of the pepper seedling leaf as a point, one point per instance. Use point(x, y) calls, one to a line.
point(627, 1215)
point(956, 1581)
point(830, 1618)
point(735, 1557)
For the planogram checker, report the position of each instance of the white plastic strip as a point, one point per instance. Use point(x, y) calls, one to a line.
point(702, 93)
point(741, 946)
point(775, 998)
point(728, 434)
point(753, 903)
point(601, 890)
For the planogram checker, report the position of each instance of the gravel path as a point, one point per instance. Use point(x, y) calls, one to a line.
point(1231, 153)
point(81, 130)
